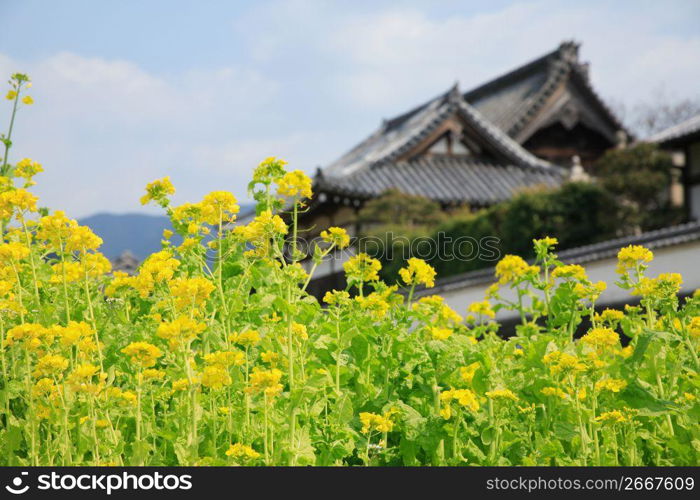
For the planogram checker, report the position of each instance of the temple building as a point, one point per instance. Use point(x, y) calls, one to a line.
point(535, 126)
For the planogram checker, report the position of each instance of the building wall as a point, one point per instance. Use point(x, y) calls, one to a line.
point(693, 166)
point(684, 259)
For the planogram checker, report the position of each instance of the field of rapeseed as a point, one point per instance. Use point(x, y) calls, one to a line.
point(214, 354)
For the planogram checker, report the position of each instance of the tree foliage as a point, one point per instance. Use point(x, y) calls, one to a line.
point(640, 178)
point(577, 214)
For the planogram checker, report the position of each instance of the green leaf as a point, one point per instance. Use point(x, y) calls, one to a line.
point(409, 450)
point(487, 435)
point(565, 430)
point(639, 398)
point(344, 412)
point(643, 341)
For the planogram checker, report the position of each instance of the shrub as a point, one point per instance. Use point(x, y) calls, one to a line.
point(640, 177)
point(577, 213)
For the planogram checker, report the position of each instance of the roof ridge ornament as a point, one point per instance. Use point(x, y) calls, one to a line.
point(568, 51)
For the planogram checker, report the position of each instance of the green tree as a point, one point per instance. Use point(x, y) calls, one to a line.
point(576, 214)
point(392, 223)
point(640, 178)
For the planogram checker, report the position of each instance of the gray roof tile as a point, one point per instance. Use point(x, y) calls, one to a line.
point(392, 140)
point(678, 133)
point(443, 179)
point(512, 99)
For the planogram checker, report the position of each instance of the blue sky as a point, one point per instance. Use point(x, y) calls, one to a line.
point(130, 91)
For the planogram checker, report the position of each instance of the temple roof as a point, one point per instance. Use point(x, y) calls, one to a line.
point(512, 100)
point(448, 180)
point(384, 161)
point(499, 115)
point(395, 139)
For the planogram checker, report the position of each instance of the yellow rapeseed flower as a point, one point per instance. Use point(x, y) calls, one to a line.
point(20, 200)
point(601, 338)
point(362, 268)
point(295, 183)
point(418, 272)
point(247, 338)
point(82, 239)
point(611, 316)
point(269, 170)
point(82, 379)
point(215, 377)
point(142, 354)
point(466, 373)
point(265, 381)
point(375, 304)
point(153, 374)
point(374, 422)
point(219, 207)
point(512, 267)
point(554, 392)
point(336, 236)
point(483, 308)
point(612, 417)
point(224, 358)
point(336, 297)
point(502, 394)
point(158, 191)
point(573, 271)
point(238, 450)
point(439, 333)
point(190, 292)
point(27, 168)
point(464, 397)
point(50, 365)
point(631, 256)
point(610, 384)
point(180, 331)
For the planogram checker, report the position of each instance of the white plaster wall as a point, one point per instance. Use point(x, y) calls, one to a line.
point(684, 259)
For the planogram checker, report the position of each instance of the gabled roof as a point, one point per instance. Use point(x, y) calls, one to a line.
point(397, 137)
point(686, 131)
point(512, 100)
point(382, 161)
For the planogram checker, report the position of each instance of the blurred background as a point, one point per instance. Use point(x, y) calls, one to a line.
point(480, 118)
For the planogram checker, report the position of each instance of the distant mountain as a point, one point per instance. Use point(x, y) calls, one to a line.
point(139, 233)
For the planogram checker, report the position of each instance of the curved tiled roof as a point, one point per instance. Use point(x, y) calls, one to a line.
point(511, 100)
point(678, 133)
point(378, 163)
point(443, 179)
point(393, 140)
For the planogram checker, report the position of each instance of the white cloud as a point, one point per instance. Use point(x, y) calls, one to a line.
point(401, 54)
point(104, 128)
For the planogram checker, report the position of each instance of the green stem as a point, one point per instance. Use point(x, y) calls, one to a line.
point(8, 139)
